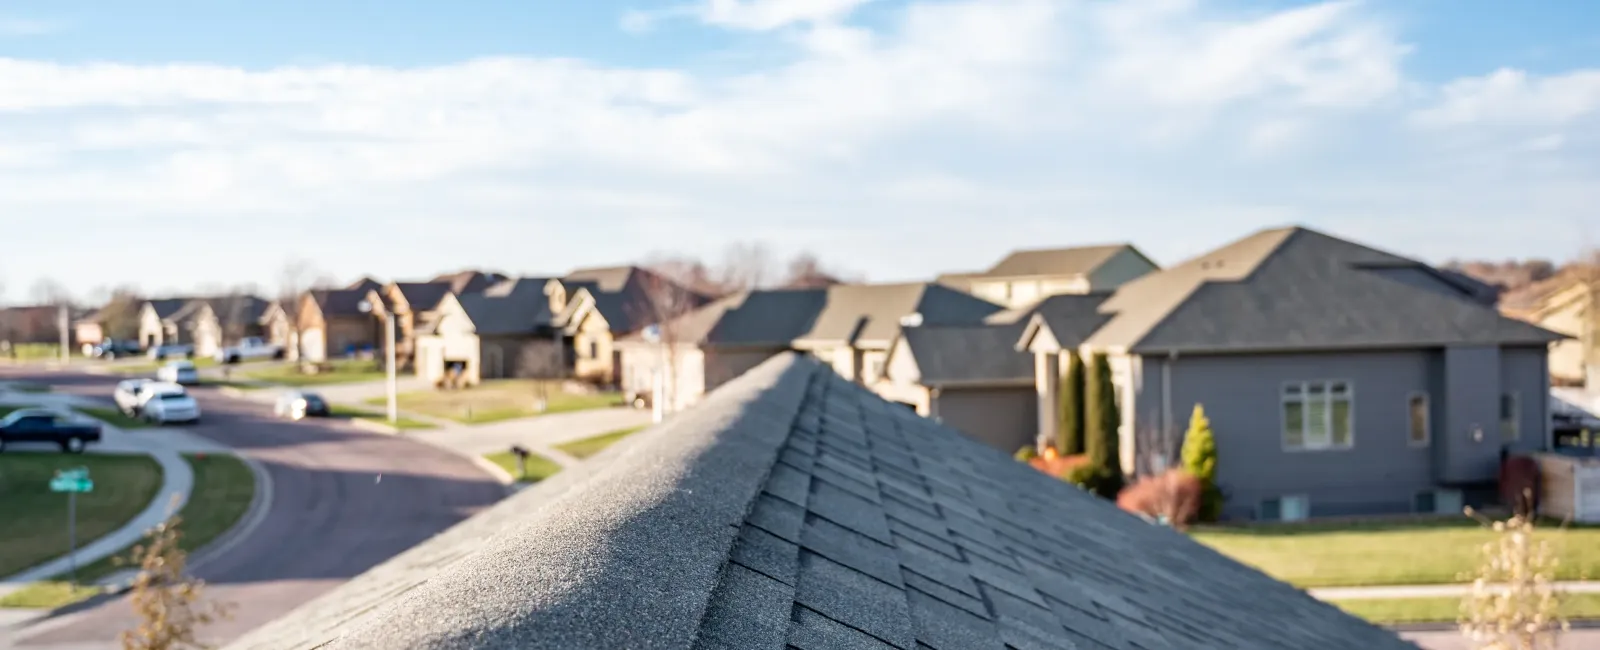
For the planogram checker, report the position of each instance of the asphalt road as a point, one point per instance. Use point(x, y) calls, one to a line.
point(342, 501)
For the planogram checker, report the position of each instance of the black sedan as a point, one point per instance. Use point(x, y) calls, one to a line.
point(44, 425)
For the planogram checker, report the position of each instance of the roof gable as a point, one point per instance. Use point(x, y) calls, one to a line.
point(969, 354)
point(696, 535)
point(1078, 260)
point(516, 314)
point(1295, 288)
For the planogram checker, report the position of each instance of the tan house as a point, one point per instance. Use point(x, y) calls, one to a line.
point(851, 327)
point(482, 336)
point(333, 324)
point(212, 323)
point(412, 304)
point(1026, 276)
point(159, 323)
point(594, 307)
point(1572, 307)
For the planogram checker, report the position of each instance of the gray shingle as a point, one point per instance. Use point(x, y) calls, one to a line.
point(699, 536)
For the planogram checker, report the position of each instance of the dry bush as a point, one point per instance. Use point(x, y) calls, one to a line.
point(1514, 603)
point(1171, 497)
point(169, 604)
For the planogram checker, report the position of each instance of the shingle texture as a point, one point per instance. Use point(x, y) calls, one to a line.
point(978, 353)
point(793, 509)
point(1055, 261)
point(423, 296)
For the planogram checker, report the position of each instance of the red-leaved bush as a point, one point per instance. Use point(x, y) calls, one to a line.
point(1056, 465)
point(1173, 495)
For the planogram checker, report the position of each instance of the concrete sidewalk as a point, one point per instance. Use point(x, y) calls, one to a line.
point(1429, 591)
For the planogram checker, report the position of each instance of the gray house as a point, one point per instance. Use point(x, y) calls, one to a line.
point(1339, 379)
point(974, 379)
point(794, 509)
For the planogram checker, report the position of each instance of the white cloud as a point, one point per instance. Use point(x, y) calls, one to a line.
point(1515, 98)
point(746, 15)
point(1032, 121)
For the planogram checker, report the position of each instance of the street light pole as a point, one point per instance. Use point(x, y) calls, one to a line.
point(394, 407)
point(62, 315)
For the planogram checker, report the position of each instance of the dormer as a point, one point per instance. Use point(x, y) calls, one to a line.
point(557, 293)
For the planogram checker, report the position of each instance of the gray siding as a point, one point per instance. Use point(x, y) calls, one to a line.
point(1003, 418)
point(1383, 471)
point(1242, 395)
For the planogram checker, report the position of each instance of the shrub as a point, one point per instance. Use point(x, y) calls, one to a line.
point(1515, 601)
point(1172, 497)
point(1069, 437)
point(1026, 453)
point(1200, 461)
point(1092, 478)
point(1101, 423)
point(1057, 465)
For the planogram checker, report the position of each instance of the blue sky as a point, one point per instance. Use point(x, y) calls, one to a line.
point(181, 144)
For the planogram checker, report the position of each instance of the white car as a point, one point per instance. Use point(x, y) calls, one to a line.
point(249, 347)
point(165, 403)
point(129, 395)
point(181, 373)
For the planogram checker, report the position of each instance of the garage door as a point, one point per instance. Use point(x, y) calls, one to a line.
point(1003, 418)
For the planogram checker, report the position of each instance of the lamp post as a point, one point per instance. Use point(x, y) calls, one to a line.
point(658, 378)
point(388, 353)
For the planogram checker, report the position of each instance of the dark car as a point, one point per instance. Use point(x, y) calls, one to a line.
point(42, 425)
point(296, 404)
point(112, 349)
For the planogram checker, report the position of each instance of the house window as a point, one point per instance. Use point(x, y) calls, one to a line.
point(1287, 508)
point(594, 349)
point(1318, 415)
point(1420, 432)
point(1510, 413)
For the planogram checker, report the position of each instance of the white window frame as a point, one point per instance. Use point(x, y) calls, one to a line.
point(1427, 419)
point(1513, 432)
point(1306, 445)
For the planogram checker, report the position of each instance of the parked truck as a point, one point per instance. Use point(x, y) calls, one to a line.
point(250, 347)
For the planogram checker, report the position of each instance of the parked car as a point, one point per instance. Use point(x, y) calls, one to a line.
point(129, 395)
point(169, 403)
point(297, 405)
point(172, 351)
point(181, 373)
point(44, 425)
point(112, 349)
point(250, 347)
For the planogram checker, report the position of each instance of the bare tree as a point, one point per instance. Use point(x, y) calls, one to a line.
point(806, 271)
point(119, 314)
point(661, 308)
point(542, 361)
point(47, 291)
point(746, 266)
point(688, 272)
point(294, 280)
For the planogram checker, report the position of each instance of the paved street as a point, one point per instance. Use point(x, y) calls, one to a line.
point(1586, 639)
point(342, 501)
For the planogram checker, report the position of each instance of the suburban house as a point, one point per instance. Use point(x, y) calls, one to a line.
point(593, 307)
point(495, 334)
point(159, 322)
point(212, 323)
point(364, 284)
point(1571, 306)
point(974, 379)
point(1339, 379)
point(34, 323)
point(411, 304)
point(794, 509)
point(333, 323)
point(849, 326)
point(89, 330)
point(1026, 276)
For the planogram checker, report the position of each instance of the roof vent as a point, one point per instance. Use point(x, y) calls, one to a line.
point(913, 319)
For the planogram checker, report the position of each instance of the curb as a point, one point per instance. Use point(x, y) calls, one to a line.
point(374, 427)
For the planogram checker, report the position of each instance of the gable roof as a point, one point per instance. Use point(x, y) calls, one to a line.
point(226, 309)
point(1070, 319)
point(1296, 288)
point(519, 285)
point(609, 278)
point(469, 281)
point(1076, 260)
point(516, 314)
point(166, 307)
point(339, 302)
point(793, 508)
point(968, 354)
point(422, 296)
point(366, 283)
point(871, 313)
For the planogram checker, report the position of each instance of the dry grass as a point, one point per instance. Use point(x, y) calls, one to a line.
point(497, 400)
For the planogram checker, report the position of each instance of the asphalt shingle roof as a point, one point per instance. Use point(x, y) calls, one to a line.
point(1080, 260)
point(976, 353)
point(469, 281)
point(871, 313)
point(507, 315)
point(795, 509)
point(166, 307)
point(423, 296)
point(1296, 288)
point(339, 302)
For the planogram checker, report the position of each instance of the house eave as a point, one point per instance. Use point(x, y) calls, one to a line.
point(1020, 382)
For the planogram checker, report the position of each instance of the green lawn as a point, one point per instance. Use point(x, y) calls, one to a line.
point(343, 371)
point(37, 352)
point(27, 387)
point(36, 518)
point(590, 446)
point(223, 489)
point(403, 423)
point(1448, 610)
point(539, 467)
point(1422, 551)
point(110, 415)
point(502, 399)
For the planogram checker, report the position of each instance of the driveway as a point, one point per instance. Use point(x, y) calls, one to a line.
point(342, 501)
